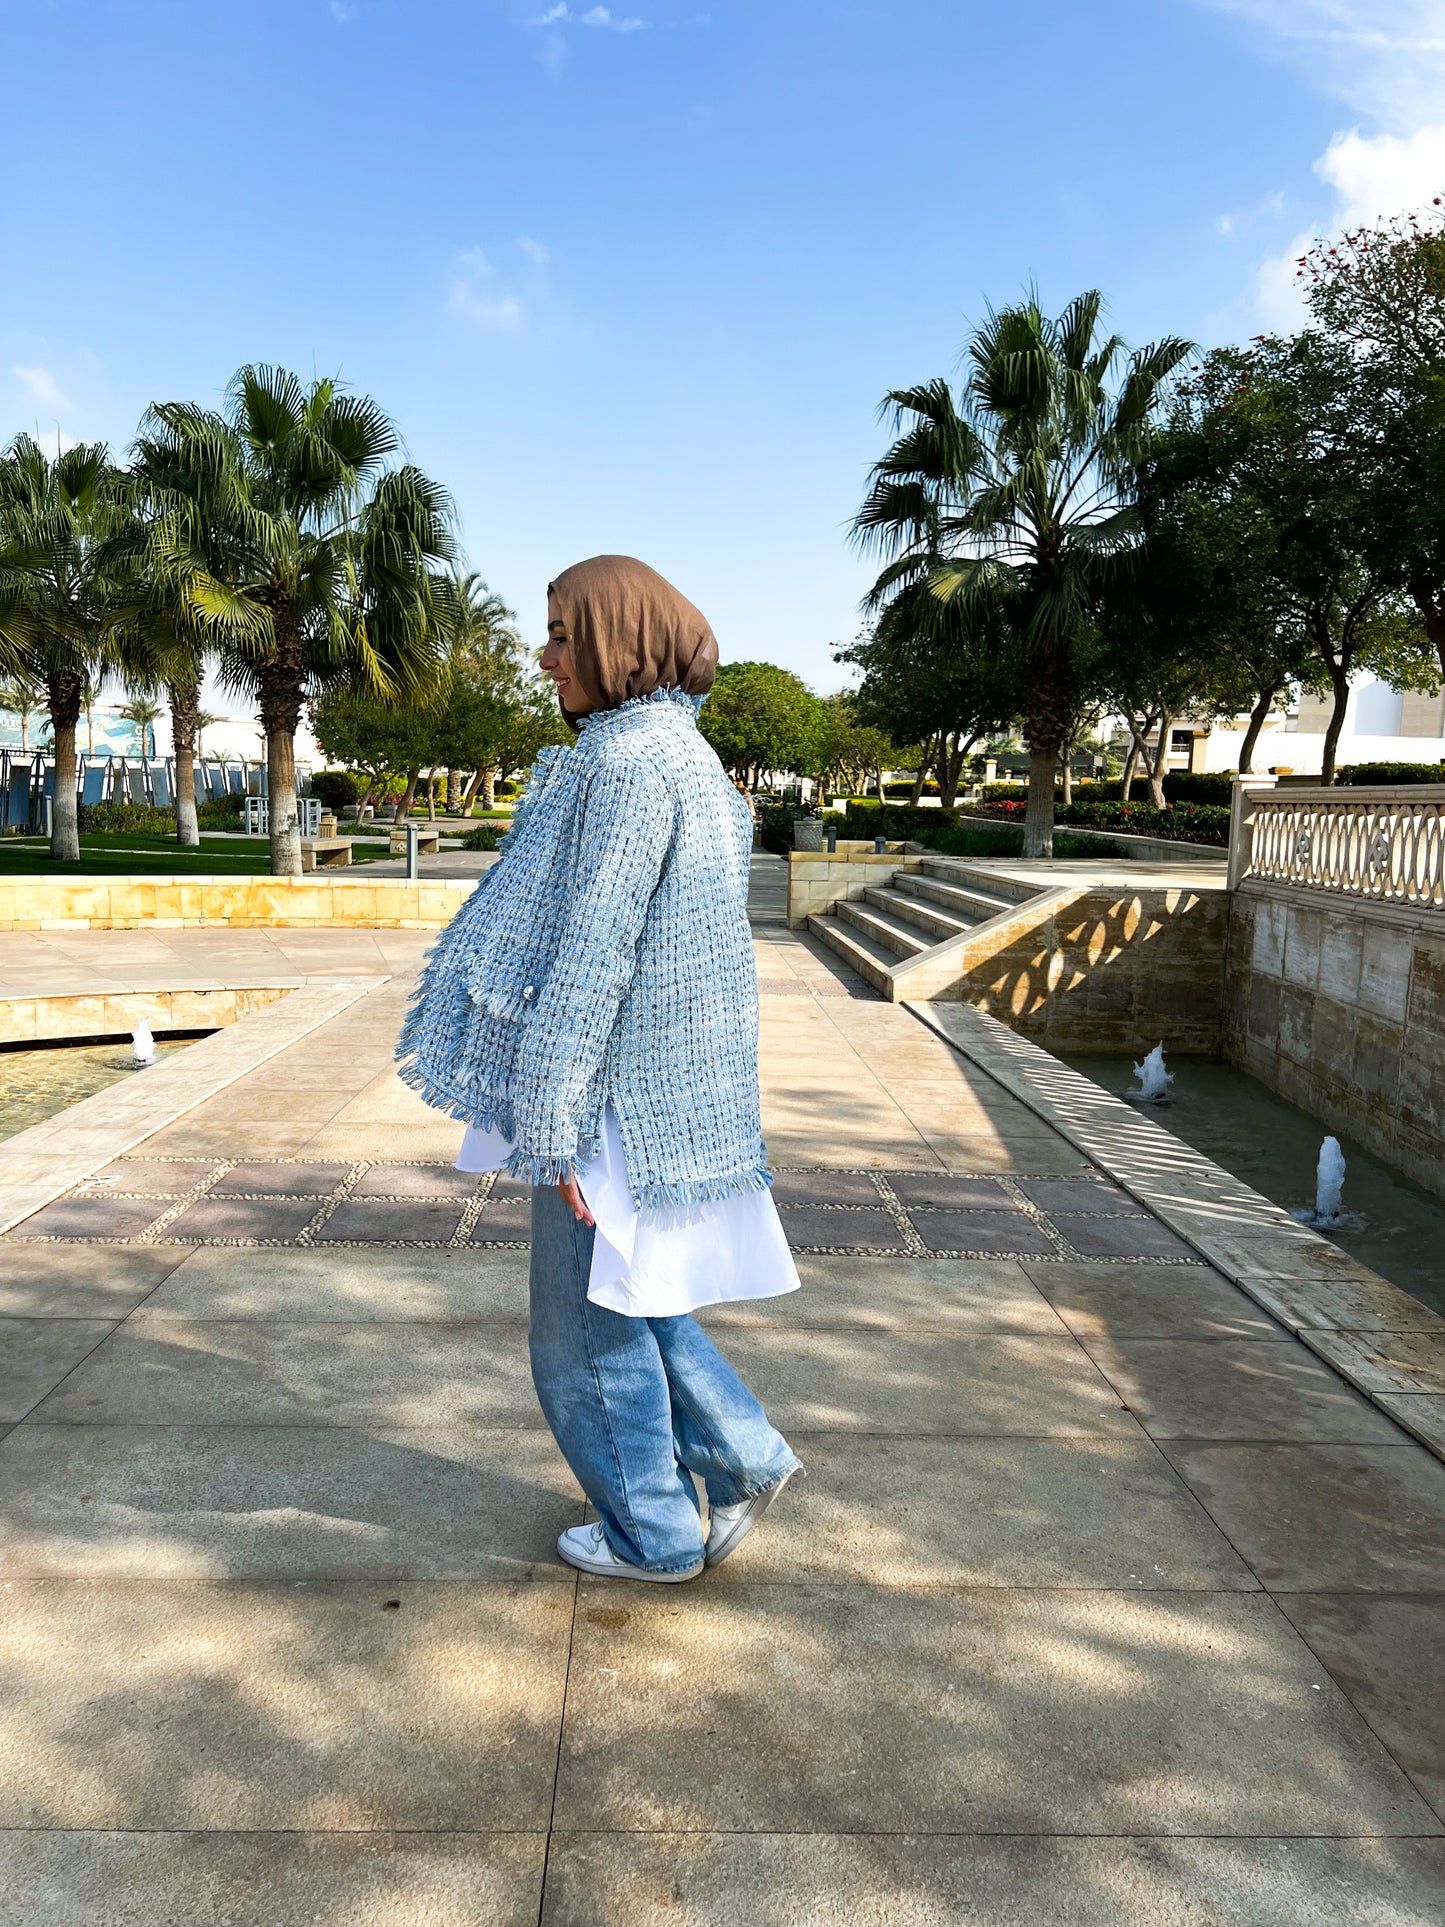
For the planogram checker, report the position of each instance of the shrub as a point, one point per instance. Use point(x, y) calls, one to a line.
point(222, 814)
point(1366, 773)
point(485, 836)
point(1175, 823)
point(897, 821)
point(504, 789)
point(775, 825)
point(337, 787)
point(139, 818)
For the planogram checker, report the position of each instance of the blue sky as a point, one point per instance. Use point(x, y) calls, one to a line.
point(637, 279)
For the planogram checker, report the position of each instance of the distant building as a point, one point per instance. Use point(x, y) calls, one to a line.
point(1382, 725)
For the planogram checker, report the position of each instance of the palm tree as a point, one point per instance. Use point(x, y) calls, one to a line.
point(22, 697)
point(1018, 495)
point(203, 721)
point(482, 640)
point(145, 714)
point(62, 597)
point(295, 553)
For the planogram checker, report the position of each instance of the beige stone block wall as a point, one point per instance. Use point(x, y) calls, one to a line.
point(1093, 970)
point(818, 880)
point(316, 901)
point(1339, 1005)
point(116, 1013)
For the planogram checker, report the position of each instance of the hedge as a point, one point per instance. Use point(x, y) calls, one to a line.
point(140, 818)
point(335, 788)
point(485, 836)
point(1358, 774)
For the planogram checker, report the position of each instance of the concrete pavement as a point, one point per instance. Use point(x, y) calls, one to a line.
point(1105, 1601)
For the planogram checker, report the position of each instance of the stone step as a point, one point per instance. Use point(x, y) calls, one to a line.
point(905, 908)
point(881, 928)
point(935, 884)
point(870, 960)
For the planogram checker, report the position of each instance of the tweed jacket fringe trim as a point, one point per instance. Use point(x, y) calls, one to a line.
point(607, 959)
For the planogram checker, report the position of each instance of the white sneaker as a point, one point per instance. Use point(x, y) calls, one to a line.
point(729, 1525)
point(586, 1548)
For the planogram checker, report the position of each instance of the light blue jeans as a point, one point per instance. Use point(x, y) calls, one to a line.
point(637, 1404)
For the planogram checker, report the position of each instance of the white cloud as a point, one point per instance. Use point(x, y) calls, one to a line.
point(563, 16)
point(475, 300)
point(340, 12)
point(1384, 58)
point(536, 251)
point(40, 387)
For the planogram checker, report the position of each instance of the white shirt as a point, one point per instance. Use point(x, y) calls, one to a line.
point(663, 1261)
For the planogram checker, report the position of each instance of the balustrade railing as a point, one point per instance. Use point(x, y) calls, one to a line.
point(1387, 844)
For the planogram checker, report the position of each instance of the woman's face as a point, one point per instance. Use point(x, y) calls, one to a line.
point(557, 663)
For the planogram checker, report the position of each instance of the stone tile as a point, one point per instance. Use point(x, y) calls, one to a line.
point(1393, 1362)
point(36, 1353)
point(1186, 1388)
point(1385, 970)
point(295, 1502)
point(927, 1383)
point(1303, 935)
point(1385, 1654)
point(182, 1372)
point(1103, 1237)
point(303, 1282)
point(58, 1879)
point(1269, 930)
point(504, 1220)
point(254, 1178)
point(861, 1229)
point(90, 1218)
point(41, 1281)
point(378, 1221)
point(938, 1190)
point(987, 1711)
point(1011, 1231)
point(154, 1177)
point(1421, 1414)
point(899, 1294)
point(414, 1181)
point(1296, 1024)
point(249, 1218)
point(824, 1187)
point(1340, 954)
point(256, 1707)
point(1171, 1301)
point(1040, 1155)
point(1262, 1015)
point(1081, 1195)
point(961, 1880)
point(1362, 1303)
point(888, 1512)
point(1327, 1518)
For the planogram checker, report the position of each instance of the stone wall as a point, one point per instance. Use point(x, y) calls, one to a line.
point(1339, 1005)
point(1110, 970)
point(319, 900)
point(115, 1013)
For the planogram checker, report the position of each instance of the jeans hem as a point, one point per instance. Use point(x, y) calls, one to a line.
point(754, 1488)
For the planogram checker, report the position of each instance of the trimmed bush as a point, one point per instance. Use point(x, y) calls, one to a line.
point(775, 825)
point(335, 788)
point(1359, 775)
point(140, 818)
point(899, 822)
point(485, 836)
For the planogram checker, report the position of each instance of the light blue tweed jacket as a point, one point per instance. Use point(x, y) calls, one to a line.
point(607, 959)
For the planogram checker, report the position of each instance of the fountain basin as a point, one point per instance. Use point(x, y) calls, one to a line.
point(36, 1081)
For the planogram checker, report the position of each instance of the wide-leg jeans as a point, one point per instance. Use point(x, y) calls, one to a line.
point(638, 1404)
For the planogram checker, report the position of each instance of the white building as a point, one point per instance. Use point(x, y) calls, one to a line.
point(1382, 725)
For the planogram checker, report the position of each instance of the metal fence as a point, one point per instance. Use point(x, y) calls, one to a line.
point(27, 783)
point(1384, 844)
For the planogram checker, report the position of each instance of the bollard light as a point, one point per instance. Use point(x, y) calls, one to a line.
point(412, 846)
point(880, 846)
point(830, 837)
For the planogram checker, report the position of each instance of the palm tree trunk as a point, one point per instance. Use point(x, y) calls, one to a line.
point(489, 787)
point(185, 702)
point(64, 694)
point(454, 792)
point(280, 690)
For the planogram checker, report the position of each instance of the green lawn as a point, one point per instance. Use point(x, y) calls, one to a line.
point(128, 853)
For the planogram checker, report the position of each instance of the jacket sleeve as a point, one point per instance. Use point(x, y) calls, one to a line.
point(626, 830)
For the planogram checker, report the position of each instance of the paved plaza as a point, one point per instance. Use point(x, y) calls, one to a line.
point(1105, 1602)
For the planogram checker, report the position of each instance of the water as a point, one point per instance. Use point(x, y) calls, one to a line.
point(1154, 1080)
point(36, 1083)
point(1391, 1225)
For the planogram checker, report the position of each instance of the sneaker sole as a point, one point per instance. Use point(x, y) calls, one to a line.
point(617, 1570)
point(756, 1508)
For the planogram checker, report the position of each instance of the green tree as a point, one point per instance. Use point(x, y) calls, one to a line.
point(485, 652)
point(1381, 291)
point(303, 560)
point(760, 717)
point(1019, 493)
point(63, 597)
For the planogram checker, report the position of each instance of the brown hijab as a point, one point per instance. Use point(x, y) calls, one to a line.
point(631, 632)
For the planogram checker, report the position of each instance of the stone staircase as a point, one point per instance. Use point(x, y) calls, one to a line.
point(914, 912)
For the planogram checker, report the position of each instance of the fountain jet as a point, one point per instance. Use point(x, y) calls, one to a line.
point(1329, 1182)
point(1154, 1080)
point(143, 1045)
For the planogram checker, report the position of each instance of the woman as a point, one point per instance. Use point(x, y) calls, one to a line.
point(592, 1014)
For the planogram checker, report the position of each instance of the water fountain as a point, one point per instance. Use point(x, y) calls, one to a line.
point(1329, 1184)
point(1154, 1080)
point(143, 1045)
